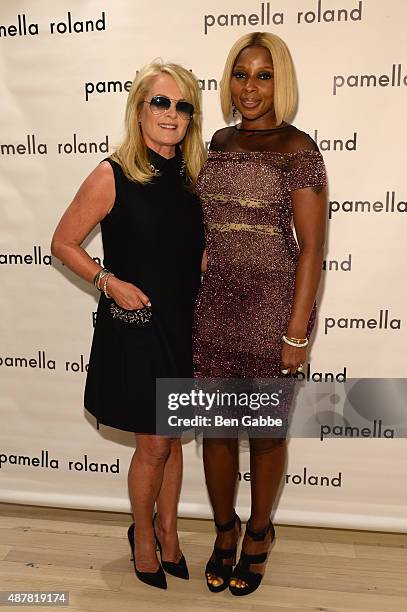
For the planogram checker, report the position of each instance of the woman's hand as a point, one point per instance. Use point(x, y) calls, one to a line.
point(292, 357)
point(126, 295)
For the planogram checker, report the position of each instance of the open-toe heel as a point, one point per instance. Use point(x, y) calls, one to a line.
point(216, 567)
point(242, 569)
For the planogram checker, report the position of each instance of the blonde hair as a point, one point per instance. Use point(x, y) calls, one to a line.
point(285, 83)
point(132, 153)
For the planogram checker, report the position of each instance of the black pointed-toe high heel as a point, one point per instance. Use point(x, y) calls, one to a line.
point(178, 569)
point(242, 569)
point(217, 567)
point(155, 579)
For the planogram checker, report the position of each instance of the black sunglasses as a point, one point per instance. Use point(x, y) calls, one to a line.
point(160, 104)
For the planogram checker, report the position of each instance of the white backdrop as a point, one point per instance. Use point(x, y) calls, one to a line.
point(64, 72)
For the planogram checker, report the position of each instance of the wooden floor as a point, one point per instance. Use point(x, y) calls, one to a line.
point(86, 553)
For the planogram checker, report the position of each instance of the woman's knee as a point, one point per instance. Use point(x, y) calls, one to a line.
point(153, 450)
point(220, 445)
point(265, 445)
point(175, 444)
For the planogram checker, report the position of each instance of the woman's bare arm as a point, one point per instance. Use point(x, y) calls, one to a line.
point(309, 214)
point(92, 202)
point(90, 205)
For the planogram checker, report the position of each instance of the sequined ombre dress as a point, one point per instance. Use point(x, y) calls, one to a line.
point(246, 297)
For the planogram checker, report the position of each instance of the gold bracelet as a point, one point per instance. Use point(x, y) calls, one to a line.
point(108, 275)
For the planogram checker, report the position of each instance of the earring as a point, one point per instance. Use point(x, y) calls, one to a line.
point(234, 110)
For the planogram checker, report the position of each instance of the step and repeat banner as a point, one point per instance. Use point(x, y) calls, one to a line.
point(66, 68)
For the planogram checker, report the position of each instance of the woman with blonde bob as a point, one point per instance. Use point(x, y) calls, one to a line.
point(256, 306)
point(151, 221)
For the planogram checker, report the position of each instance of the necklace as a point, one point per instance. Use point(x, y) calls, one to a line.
point(281, 127)
point(154, 169)
point(181, 170)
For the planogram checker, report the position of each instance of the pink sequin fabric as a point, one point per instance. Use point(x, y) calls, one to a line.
point(247, 292)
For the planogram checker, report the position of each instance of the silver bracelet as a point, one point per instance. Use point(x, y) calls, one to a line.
point(99, 276)
point(296, 344)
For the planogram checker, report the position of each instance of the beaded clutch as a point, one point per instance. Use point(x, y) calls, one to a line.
point(140, 316)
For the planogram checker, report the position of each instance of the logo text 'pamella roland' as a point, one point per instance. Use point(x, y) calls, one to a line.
point(388, 204)
point(395, 77)
point(264, 17)
point(374, 430)
point(269, 14)
point(93, 88)
point(31, 144)
point(306, 477)
point(36, 256)
point(22, 25)
point(44, 460)
point(382, 322)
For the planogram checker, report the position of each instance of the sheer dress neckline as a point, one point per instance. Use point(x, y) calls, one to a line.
point(214, 153)
point(274, 129)
point(285, 141)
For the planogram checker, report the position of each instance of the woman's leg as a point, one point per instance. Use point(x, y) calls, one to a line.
point(268, 457)
point(167, 503)
point(145, 478)
point(221, 465)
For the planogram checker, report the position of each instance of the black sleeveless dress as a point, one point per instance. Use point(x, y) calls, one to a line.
point(153, 237)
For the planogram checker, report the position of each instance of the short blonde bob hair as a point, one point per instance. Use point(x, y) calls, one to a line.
point(132, 153)
point(285, 83)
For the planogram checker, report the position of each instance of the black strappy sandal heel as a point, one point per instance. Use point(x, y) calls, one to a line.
point(242, 569)
point(217, 567)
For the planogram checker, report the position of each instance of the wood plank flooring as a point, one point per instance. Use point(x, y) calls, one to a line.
point(87, 554)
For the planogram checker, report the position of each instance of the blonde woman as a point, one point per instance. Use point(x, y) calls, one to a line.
point(143, 197)
point(256, 305)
